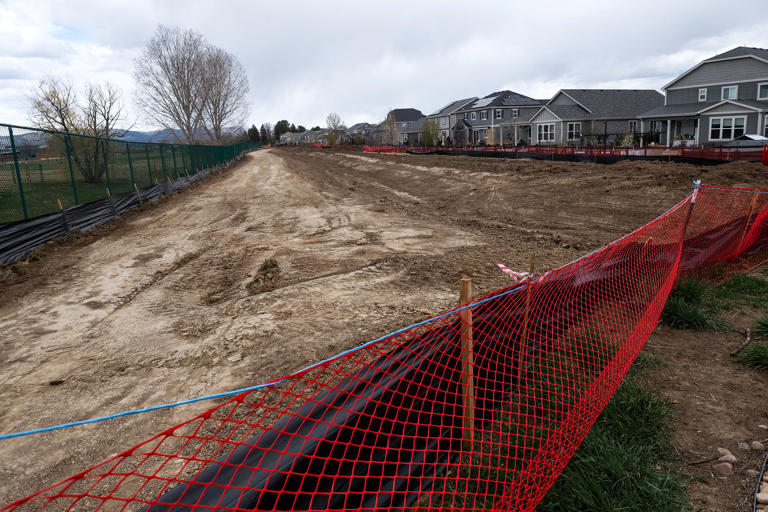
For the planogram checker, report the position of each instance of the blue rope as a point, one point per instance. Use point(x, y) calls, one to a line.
point(314, 365)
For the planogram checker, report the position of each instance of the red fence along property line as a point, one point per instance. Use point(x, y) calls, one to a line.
point(382, 427)
point(718, 153)
point(764, 158)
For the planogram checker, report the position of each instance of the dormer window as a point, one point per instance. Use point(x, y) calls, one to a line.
point(703, 94)
point(730, 92)
point(762, 91)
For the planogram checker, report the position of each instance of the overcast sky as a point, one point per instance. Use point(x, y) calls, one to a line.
point(305, 59)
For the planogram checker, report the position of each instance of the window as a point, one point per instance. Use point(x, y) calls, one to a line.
point(633, 127)
point(474, 115)
point(730, 92)
point(655, 126)
point(765, 130)
point(574, 131)
point(762, 91)
point(405, 138)
point(703, 94)
point(443, 121)
point(483, 115)
point(726, 128)
point(546, 132)
point(500, 113)
point(466, 115)
point(515, 113)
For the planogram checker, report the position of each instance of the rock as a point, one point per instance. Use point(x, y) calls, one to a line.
point(723, 469)
point(753, 473)
point(757, 446)
point(764, 427)
point(744, 446)
point(763, 488)
point(724, 451)
point(762, 498)
point(235, 358)
point(728, 458)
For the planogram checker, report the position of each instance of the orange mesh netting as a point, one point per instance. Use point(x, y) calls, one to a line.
point(477, 408)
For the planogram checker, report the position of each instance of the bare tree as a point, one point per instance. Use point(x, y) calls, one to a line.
point(226, 90)
point(55, 106)
point(171, 80)
point(334, 122)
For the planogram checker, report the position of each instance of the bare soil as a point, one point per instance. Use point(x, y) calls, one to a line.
point(295, 255)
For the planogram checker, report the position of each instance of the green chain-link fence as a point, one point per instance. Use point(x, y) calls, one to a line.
point(40, 168)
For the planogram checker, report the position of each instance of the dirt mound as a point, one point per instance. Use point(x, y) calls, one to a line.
point(266, 278)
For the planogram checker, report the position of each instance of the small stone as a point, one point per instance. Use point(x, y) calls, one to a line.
point(744, 446)
point(723, 469)
point(728, 458)
point(757, 446)
point(763, 488)
point(762, 498)
point(235, 358)
point(724, 451)
point(753, 473)
point(764, 427)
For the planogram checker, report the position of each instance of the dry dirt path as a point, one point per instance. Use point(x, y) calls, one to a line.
point(170, 303)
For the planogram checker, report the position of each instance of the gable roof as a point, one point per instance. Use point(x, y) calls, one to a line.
point(405, 114)
point(737, 53)
point(453, 107)
point(414, 126)
point(612, 103)
point(503, 99)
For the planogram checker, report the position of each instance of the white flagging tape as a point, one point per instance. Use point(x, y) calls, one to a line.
point(516, 276)
point(696, 185)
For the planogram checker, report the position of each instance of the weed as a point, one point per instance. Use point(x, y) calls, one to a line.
point(755, 356)
point(761, 327)
point(691, 305)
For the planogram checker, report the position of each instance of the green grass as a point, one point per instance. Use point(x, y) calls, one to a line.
point(692, 305)
point(744, 289)
point(761, 327)
point(624, 463)
point(755, 355)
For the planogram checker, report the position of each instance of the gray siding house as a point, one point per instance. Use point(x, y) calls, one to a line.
point(502, 117)
point(446, 116)
point(592, 116)
point(390, 130)
point(715, 101)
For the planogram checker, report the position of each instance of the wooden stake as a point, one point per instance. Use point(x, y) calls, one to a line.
point(61, 208)
point(749, 217)
point(107, 189)
point(644, 249)
point(137, 192)
point(524, 340)
point(467, 360)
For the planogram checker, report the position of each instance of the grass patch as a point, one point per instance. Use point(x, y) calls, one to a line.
point(692, 305)
point(755, 355)
point(761, 327)
point(624, 462)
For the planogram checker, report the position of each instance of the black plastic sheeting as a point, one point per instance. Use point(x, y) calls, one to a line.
point(20, 238)
point(361, 446)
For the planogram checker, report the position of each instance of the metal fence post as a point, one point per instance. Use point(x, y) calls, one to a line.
point(130, 163)
point(149, 165)
point(71, 173)
point(106, 166)
point(18, 173)
point(173, 155)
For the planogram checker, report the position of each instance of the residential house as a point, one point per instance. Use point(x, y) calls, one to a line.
point(359, 133)
point(502, 117)
point(290, 139)
point(410, 132)
point(446, 116)
point(717, 100)
point(592, 116)
point(389, 131)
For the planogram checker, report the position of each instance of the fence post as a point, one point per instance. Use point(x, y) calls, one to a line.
point(130, 163)
point(149, 164)
point(748, 218)
point(524, 340)
point(71, 173)
point(18, 173)
point(106, 168)
point(467, 360)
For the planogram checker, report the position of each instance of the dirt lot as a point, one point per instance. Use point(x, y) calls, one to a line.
point(174, 301)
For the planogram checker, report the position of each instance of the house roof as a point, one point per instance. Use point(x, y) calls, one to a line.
point(359, 127)
point(694, 109)
point(414, 126)
point(741, 51)
point(405, 114)
point(568, 112)
point(453, 107)
point(736, 53)
point(503, 99)
point(615, 103)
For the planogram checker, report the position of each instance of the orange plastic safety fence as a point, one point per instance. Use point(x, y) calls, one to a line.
point(478, 408)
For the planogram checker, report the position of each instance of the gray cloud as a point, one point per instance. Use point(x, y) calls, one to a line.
point(305, 59)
